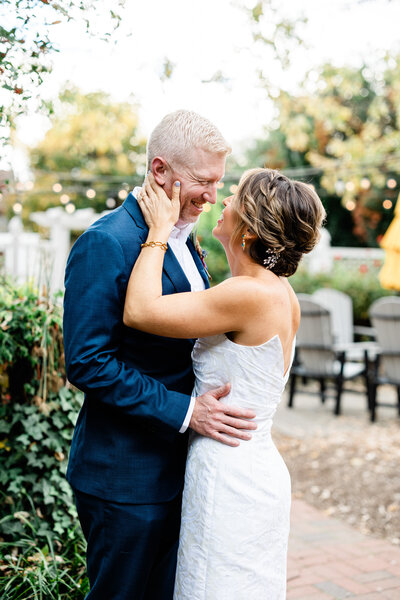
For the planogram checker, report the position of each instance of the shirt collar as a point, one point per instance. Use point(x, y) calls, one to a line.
point(180, 232)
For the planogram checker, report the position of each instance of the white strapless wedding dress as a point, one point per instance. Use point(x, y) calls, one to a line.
point(236, 501)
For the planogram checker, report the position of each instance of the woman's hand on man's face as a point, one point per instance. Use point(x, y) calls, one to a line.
point(158, 209)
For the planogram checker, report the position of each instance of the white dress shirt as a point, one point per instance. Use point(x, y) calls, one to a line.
point(177, 242)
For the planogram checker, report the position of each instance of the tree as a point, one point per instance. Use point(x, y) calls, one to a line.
point(275, 37)
point(273, 30)
point(27, 31)
point(344, 130)
point(92, 148)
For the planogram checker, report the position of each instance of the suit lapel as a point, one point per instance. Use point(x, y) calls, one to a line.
point(132, 207)
point(174, 272)
point(172, 269)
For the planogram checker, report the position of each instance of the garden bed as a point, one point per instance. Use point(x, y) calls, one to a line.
point(353, 476)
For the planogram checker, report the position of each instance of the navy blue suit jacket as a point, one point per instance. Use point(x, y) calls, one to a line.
point(126, 445)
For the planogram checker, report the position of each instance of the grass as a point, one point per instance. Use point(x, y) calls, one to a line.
point(32, 571)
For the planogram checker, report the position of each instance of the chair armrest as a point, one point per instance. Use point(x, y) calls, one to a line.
point(299, 346)
point(366, 331)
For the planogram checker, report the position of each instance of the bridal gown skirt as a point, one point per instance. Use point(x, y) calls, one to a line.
point(236, 501)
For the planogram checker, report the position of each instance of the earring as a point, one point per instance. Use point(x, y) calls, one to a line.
point(243, 241)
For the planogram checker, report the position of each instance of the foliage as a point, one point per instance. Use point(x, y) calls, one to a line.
point(216, 261)
point(274, 152)
point(51, 569)
point(344, 127)
point(362, 286)
point(27, 33)
point(38, 412)
point(275, 37)
point(274, 30)
point(91, 148)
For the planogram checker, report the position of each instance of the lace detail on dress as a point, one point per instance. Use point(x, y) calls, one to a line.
point(236, 501)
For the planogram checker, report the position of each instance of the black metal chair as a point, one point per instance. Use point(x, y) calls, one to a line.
point(385, 318)
point(316, 355)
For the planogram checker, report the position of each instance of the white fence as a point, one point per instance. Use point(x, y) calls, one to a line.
point(360, 260)
point(26, 256)
point(354, 258)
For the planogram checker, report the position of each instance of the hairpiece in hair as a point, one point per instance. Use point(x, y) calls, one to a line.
point(271, 258)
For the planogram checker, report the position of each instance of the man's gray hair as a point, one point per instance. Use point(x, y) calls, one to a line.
point(181, 132)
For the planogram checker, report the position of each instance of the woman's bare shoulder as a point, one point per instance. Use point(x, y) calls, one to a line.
point(250, 288)
point(259, 292)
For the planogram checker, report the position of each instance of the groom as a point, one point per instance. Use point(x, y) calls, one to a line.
point(128, 452)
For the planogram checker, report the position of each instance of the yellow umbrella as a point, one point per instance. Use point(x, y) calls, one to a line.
point(389, 275)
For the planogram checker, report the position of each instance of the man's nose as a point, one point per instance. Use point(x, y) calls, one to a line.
point(210, 195)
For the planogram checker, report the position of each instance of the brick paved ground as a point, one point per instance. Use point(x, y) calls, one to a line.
point(330, 560)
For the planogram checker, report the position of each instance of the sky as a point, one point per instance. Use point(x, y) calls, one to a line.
point(201, 38)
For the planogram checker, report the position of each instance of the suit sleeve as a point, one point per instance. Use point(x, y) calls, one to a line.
point(95, 287)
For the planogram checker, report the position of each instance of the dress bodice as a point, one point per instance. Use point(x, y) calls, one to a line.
point(256, 373)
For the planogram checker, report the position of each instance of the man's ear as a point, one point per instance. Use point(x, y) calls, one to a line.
point(159, 168)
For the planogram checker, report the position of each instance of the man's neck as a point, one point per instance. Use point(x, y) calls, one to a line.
point(182, 227)
point(180, 224)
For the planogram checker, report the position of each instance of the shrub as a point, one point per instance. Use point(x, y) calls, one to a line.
point(40, 535)
point(363, 287)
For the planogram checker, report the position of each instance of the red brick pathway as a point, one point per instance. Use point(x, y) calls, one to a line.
point(329, 560)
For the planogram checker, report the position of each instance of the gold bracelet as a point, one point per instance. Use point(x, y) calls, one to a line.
point(155, 245)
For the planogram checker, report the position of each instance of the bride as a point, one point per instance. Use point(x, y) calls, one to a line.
point(236, 499)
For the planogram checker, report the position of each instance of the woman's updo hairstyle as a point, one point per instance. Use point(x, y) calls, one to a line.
point(285, 215)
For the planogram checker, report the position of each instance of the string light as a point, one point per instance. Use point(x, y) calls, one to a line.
point(70, 208)
point(91, 193)
point(350, 205)
point(365, 183)
point(64, 198)
point(122, 194)
point(350, 187)
point(391, 183)
point(387, 204)
point(17, 208)
point(233, 188)
point(57, 187)
point(339, 187)
point(111, 202)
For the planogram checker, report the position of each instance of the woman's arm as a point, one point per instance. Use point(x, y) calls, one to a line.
point(184, 315)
